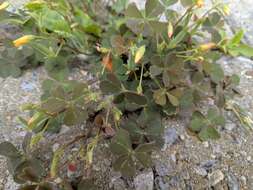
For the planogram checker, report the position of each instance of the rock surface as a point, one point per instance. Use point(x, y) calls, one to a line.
point(144, 181)
point(185, 163)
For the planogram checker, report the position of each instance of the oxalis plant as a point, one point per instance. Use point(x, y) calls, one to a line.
point(150, 64)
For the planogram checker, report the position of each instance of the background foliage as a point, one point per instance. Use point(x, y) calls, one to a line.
point(150, 64)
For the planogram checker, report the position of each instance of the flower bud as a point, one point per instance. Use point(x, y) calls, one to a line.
point(107, 62)
point(207, 46)
point(200, 3)
point(4, 5)
point(226, 10)
point(139, 54)
point(23, 40)
point(170, 30)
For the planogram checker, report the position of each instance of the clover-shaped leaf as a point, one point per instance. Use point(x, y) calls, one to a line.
point(13, 60)
point(215, 71)
point(121, 146)
point(29, 170)
point(8, 150)
point(187, 3)
point(146, 126)
point(144, 23)
point(14, 157)
point(204, 125)
point(142, 153)
point(136, 98)
point(160, 97)
point(208, 133)
point(153, 8)
point(68, 99)
point(54, 21)
point(169, 2)
point(110, 85)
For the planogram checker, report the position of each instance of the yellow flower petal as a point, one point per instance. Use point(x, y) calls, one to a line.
point(226, 10)
point(139, 54)
point(23, 40)
point(207, 46)
point(4, 5)
point(200, 3)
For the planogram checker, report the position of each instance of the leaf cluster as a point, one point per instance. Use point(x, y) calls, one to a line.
point(149, 63)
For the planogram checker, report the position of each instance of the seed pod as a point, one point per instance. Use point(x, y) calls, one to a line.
point(170, 30)
point(207, 46)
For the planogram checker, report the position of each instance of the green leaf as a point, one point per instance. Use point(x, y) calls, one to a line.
point(29, 170)
point(54, 21)
point(173, 99)
point(215, 71)
point(132, 11)
point(87, 24)
point(235, 80)
point(214, 18)
point(120, 5)
point(204, 126)
point(187, 99)
point(209, 132)
point(143, 153)
point(187, 3)
point(109, 88)
point(56, 161)
point(29, 187)
point(8, 150)
point(33, 6)
point(75, 114)
point(169, 2)
point(153, 8)
point(136, 98)
point(53, 105)
point(125, 165)
point(160, 97)
point(35, 139)
point(198, 122)
point(215, 117)
point(155, 70)
point(244, 50)
point(237, 38)
point(179, 37)
point(121, 146)
point(171, 15)
point(166, 78)
point(121, 143)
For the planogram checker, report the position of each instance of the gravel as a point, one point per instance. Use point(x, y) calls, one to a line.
point(185, 163)
point(144, 181)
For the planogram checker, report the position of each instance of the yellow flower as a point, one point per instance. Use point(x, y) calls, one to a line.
point(207, 46)
point(200, 3)
point(4, 5)
point(226, 10)
point(23, 40)
point(139, 54)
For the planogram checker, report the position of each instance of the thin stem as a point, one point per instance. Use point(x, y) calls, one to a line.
point(140, 83)
point(184, 15)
